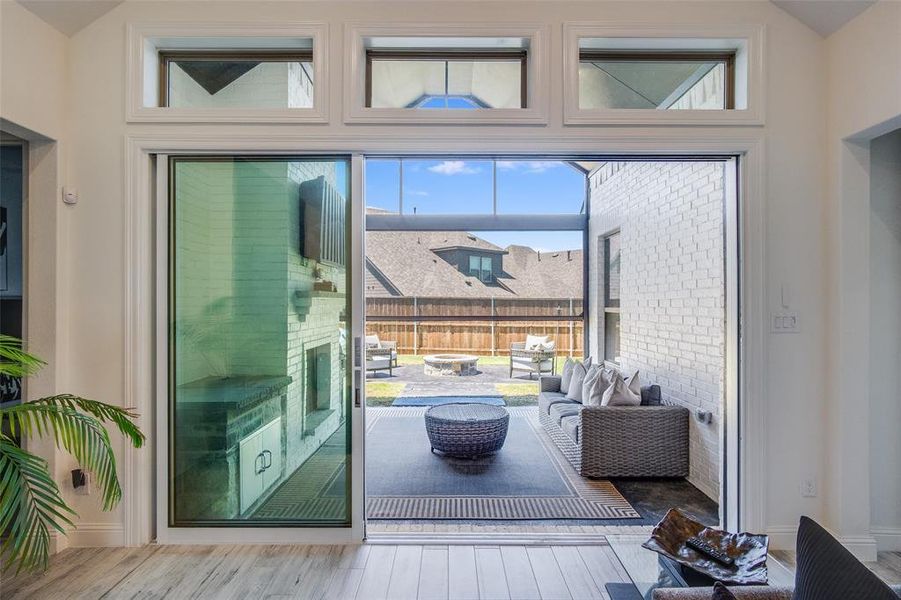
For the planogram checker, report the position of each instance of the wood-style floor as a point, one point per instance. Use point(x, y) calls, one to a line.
point(366, 572)
point(888, 565)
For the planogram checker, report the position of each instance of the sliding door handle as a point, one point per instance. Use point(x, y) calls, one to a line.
point(266, 454)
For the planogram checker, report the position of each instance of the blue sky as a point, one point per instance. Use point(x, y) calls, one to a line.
point(465, 187)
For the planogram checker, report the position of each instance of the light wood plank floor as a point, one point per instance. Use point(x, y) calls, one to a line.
point(365, 572)
point(888, 565)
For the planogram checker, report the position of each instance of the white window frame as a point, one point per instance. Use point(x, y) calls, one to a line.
point(750, 83)
point(155, 218)
point(145, 40)
point(745, 374)
point(537, 107)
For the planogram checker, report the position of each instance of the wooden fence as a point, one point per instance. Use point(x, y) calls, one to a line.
point(435, 325)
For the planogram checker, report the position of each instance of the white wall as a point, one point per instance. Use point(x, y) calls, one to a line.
point(34, 71)
point(794, 186)
point(864, 101)
point(885, 340)
point(33, 106)
point(672, 289)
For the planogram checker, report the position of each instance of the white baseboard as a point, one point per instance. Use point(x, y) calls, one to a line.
point(86, 535)
point(863, 547)
point(782, 537)
point(888, 539)
point(58, 542)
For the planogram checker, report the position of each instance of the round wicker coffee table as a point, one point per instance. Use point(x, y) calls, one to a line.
point(465, 429)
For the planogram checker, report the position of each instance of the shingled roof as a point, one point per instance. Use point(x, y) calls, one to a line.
point(404, 263)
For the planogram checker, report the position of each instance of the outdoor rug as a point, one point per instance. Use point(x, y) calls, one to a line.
point(436, 400)
point(527, 479)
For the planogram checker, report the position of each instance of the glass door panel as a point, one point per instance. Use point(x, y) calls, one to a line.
point(259, 309)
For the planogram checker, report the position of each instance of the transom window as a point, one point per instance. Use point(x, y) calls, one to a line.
point(656, 80)
point(236, 79)
point(446, 79)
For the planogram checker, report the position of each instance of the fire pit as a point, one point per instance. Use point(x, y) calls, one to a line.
point(455, 365)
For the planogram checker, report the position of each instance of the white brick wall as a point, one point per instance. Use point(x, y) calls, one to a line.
point(672, 307)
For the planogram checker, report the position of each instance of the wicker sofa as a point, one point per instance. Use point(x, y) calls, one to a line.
point(616, 441)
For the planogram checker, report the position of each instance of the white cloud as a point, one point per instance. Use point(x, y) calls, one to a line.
point(416, 192)
point(453, 167)
point(528, 166)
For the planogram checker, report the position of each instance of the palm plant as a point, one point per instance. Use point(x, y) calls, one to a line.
point(31, 504)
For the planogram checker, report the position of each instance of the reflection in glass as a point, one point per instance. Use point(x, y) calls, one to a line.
point(446, 84)
point(258, 345)
point(239, 83)
point(648, 84)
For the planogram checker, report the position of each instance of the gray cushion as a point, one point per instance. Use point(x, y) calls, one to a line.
point(566, 375)
point(564, 409)
point(546, 399)
point(572, 426)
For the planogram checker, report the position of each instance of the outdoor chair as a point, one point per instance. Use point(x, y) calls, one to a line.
point(541, 358)
point(380, 355)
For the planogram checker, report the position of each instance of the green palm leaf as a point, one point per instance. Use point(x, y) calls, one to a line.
point(30, 505)
point(30, 501)
point(14, 361)
point(81, 434)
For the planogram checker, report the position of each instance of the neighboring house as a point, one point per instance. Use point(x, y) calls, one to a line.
point(456, 264)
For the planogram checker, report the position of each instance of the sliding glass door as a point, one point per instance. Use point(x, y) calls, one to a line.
point(259, 402)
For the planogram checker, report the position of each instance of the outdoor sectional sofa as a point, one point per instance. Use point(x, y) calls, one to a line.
point(650, 440)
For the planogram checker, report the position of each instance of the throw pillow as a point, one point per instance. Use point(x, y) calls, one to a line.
point(575, 384)
point(619, 394)
point(607, 374)
point(586, 362)
point(634, 384)
point(721, 592)
point(593, 387)
point(536, 342)
point(567, 375)
point(826, 570)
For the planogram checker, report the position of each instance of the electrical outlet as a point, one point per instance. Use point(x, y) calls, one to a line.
point(786, 322)
point(809, 488)
point(81, 482)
